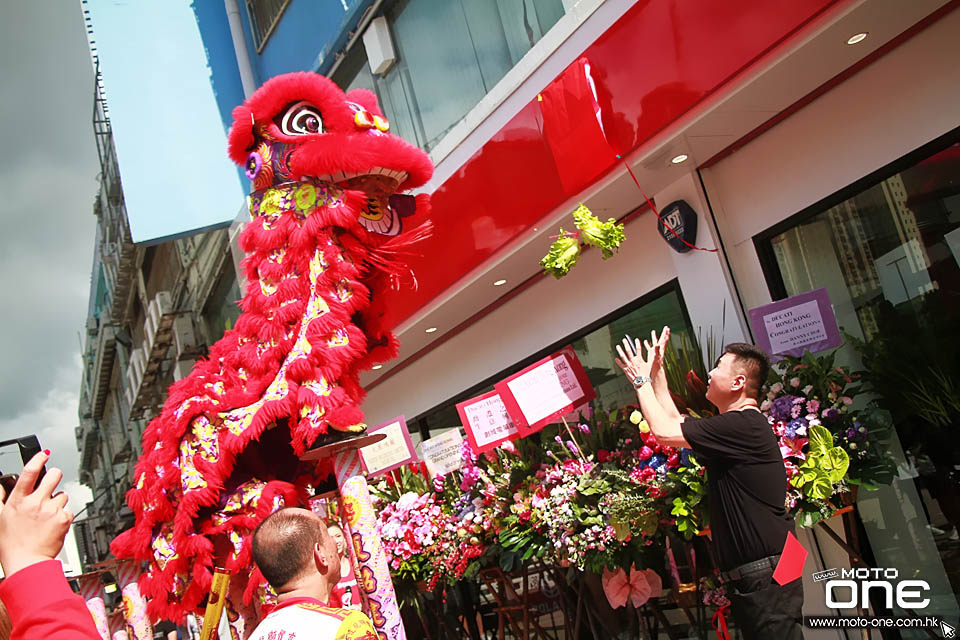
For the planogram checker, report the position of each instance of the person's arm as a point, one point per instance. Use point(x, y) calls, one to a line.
point(33, 523)
point(41, 605)
point(665, 426)
point(658, 375)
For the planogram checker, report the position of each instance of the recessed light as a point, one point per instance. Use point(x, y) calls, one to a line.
point(680, 158)
point(859, 37)
point(377, 367)
point(499, 283)
point(430, 330)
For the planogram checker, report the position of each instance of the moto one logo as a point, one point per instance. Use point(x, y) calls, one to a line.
point(854, 587)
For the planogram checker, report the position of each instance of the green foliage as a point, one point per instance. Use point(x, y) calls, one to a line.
point(606, 236)
point(912, 364)
point(825, 465)
point(562, 256)
point(565, 250)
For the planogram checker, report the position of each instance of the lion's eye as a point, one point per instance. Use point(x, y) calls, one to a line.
point(300, 119)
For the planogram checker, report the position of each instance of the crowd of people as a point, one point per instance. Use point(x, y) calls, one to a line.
point(307, 563)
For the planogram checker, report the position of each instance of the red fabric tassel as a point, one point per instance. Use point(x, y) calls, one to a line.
point(720, 623)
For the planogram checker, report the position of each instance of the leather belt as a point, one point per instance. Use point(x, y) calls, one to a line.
point(770, 562)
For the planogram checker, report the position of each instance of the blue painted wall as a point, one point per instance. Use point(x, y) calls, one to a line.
point(307, 35)
point(221, 58)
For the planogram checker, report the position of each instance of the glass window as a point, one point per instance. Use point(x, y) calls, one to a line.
point(264, 15)
point(888, 251)
point(438, 79)
point(595, 347)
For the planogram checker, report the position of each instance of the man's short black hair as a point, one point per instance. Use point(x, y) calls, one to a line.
point(283, 544)
point(755, 362)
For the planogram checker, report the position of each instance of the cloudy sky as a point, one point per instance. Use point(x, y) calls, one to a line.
point(48, 182)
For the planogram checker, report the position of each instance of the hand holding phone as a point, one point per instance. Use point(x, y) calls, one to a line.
point(29, 446)
point(33, 520)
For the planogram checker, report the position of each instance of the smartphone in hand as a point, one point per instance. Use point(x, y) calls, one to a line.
point(29, 446)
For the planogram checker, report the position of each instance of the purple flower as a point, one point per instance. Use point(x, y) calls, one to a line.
point(781, 409)
point(584, 428)
point(794, 426)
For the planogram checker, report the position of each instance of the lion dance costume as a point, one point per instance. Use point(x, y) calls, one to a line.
point(325, 238)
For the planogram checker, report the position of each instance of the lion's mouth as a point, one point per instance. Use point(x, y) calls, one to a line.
point(385, 207)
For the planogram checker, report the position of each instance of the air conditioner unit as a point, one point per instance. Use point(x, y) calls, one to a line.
point(135, 368)
point(379, 46)
point(182, 368)
point(164, 303)
point(92, 325)
point(184, 337)
point(149, 331)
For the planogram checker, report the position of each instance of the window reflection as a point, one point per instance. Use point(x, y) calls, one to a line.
point(889, 257)
point(437, 79)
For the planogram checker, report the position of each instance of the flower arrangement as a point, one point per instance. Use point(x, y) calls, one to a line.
point(603, 494)
point(827, 445)
point(427, 538)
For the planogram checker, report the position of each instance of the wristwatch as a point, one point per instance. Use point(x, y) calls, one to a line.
point(639, 381)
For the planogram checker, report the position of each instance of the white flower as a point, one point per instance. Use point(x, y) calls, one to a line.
point(795, 382)
point(406, 500)
point(807, 389)
point(777, 387)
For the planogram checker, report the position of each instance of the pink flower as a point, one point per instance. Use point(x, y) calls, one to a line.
point(645, 452)
point(793, 447)
point(795, 382)
point(847, 400)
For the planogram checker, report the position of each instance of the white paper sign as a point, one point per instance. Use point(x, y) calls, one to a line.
point(489, 421)
point(542, 390)
point(442, 453)
point(390, 452)
point(795, 327)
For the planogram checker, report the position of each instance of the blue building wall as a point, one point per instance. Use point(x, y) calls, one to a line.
point(307, 37)
point(221, 58)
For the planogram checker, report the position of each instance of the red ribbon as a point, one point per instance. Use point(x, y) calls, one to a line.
point(657, 213)
point(720, 623)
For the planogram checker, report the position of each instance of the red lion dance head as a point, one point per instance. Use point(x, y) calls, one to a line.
point(328, 210)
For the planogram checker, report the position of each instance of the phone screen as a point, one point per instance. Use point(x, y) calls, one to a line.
point(27, 447)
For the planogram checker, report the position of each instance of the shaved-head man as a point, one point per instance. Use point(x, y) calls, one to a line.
point(298, 557)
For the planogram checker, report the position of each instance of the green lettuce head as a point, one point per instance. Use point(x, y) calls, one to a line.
point(606, 236)
point(563, 254)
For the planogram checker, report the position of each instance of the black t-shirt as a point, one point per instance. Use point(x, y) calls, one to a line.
point(746, 484)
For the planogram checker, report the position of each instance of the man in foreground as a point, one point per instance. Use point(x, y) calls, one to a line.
point(298, 557)
point(747, 482)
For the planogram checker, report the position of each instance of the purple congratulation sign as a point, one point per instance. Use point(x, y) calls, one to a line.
point(804, 322)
